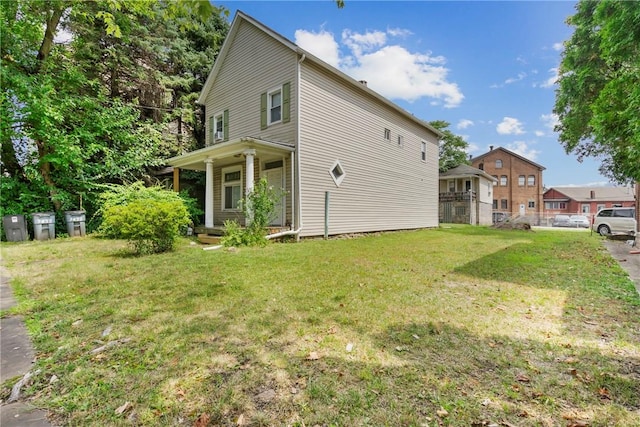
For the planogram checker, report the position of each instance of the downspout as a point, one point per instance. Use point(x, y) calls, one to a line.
point(299, 145)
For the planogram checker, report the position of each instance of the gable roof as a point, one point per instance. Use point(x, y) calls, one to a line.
point(235, 25)
point(600, 194)
point(464, 171)
point(510, 153)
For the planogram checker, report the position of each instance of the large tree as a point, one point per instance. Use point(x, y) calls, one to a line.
point(598, 94)
point(97, 107)
point(453, 147)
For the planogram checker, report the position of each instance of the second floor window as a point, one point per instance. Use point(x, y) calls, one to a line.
point(275, 106)
point(531, 180)
point(503, 180)
point(498, 164)
point(521, 180)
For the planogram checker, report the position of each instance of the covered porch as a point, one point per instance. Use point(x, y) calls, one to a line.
point(231, 169)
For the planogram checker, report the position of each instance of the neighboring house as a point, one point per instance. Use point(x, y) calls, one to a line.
point(518, 191)
point(586, 200)
point(344, 155)
point(466, 196)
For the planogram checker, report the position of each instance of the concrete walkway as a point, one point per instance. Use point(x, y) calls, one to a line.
point(17, 357)
point(630, 262)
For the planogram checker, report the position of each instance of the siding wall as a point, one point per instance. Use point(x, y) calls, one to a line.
point(255, 63)
point(386, 186)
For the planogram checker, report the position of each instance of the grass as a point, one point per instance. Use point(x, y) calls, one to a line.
point(459, 326)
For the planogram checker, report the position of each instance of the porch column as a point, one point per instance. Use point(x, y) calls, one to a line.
point(176, 180)
point(208, 195)
point(249, 155)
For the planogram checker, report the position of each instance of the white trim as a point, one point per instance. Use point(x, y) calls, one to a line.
point(270, 93)
point(217, 131)
point(223, 185)
point(337, 178)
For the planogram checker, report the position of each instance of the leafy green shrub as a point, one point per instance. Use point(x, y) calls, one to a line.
point(259, 208)
point(150, 218)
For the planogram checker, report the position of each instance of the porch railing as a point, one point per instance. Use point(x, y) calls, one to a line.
point(458, 196)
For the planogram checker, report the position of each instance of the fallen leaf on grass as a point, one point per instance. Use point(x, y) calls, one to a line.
point(604, 393)
point(442, 412)
point(124, 408)
point(313, 356)
point(202, 421)
point(240, 421)
point(523, 378)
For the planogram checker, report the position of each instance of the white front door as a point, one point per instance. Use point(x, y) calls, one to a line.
point(275, 179)
point(522, 209)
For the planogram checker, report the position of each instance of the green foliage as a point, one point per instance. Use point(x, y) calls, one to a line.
point(598, 95)
point(150, 218)
point(259, 209)
point(98, 108)
point(452, 147)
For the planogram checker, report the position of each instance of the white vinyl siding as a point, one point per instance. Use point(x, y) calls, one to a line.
point(385, 187)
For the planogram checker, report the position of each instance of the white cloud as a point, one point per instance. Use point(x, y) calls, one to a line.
point(558, 47)
point(322, 45)
point(551, 81)
point(472, 148)
point(510, 126)
point(549, 120)
point(521, 75)
point(371, 57)
point(398, 32)
point(515, 79)
point(464, 123)
point(539, 133)
point(521, 148)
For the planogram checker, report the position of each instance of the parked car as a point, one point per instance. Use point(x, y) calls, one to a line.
point(615, 221)
point(579, 221)
point(562, 221)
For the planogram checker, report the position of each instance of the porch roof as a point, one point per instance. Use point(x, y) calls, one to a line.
point(228, 152)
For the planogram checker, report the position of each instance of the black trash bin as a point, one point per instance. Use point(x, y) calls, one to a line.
point(15, 228)
point(75, 223)
point(44, 225)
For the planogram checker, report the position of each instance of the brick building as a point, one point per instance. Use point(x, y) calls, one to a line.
point(518, 191)
point(586, 200)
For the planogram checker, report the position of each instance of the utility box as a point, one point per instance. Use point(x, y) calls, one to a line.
point(44, 225)
point(15, 228)
point(75, 223)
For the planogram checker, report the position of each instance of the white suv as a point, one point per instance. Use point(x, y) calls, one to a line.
point(615, 221)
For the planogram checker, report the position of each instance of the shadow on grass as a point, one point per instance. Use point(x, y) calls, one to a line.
point(421, 369)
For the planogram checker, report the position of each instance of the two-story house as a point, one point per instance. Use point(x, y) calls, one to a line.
point(466, 196)
point(519, 187)
point(348, 159)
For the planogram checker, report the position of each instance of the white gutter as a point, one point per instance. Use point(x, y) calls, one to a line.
point(284, 233)
point(299, 197)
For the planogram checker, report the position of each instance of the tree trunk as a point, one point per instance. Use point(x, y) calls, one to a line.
point(49, 34)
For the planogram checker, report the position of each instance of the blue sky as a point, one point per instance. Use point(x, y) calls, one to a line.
point(486, 67)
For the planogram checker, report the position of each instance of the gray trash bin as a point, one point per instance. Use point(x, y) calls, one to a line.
point(75, 223)
point(44, 225)
point(15, 228)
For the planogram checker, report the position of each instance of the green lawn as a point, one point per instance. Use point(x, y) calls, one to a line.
point(455, 326)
